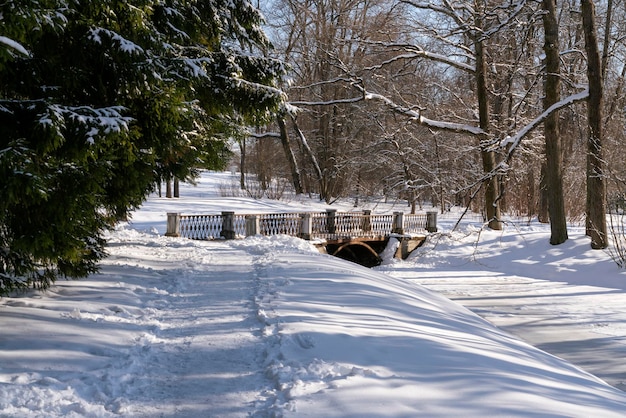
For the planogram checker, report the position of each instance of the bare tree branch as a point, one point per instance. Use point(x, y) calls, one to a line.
point(513, 142)
point(414, 51)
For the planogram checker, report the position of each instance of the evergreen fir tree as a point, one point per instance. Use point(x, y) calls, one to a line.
point(101, 99)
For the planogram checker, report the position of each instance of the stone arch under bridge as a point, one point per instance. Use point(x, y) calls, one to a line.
point(366, 252)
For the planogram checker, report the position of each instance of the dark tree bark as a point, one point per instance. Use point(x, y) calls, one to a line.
point(596, 186)
point(492, 190)
point(168, 189)
point(554, 158)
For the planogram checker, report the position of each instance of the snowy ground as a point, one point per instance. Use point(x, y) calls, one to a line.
point(268, 327)
point(568, 300)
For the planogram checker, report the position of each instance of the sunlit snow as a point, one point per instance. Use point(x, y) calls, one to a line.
point(267, 326)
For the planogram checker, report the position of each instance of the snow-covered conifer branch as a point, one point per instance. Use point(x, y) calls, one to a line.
point(124, 44)
point(13, 45)
point(101, 121)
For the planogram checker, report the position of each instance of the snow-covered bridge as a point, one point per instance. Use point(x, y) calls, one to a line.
point(357, 236)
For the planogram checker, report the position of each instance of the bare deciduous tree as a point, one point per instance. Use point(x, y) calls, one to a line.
point(596, 186)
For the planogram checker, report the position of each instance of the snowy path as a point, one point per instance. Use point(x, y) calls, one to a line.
point(168, 329)
point(203, 357)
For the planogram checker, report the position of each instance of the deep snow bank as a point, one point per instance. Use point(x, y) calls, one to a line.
point(345, 341)
point(268, 327)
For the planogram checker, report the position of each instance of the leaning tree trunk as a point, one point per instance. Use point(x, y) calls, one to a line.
point(596, 185)
point(291, 158)
point(309, 152)
point(554, 159)
point(492, 205)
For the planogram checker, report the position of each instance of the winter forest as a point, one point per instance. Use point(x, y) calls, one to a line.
point(499, 107)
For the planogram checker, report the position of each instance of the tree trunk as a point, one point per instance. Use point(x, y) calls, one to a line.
point(492, 206)
point(309, 153)
point(554, 158)
point(291, 159)
point(168, 188)
point(176, 187)
point(543, 213)
point(242, 172)
point(532, 198)
point(596, 186)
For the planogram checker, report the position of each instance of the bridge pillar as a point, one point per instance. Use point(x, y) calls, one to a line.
point(330, 220)
point(367, 221)
point(398, 223)
point(431, 221)
point(406, 246)
point(173, 225)
point(228, 225)
point(252, 225)
point(306, 226)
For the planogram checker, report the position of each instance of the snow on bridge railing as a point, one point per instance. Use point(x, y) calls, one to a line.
point(329, 225)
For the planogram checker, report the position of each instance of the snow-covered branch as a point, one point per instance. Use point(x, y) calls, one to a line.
point(13, 45)
point(415, 115)
point(96, 121)
point(513, 142)
point(125, 45)
point(263, 135)
point(417, 52)
point(327, 102)
point(510, 19)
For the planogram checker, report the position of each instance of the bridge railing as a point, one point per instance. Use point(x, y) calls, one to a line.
point(332, 225)
point(329, 225)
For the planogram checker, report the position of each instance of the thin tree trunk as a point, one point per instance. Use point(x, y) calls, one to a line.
point(532, 198)
point(596, 186)
point(242, 172)
point(607, 37)
point(554, 159)
point(176, 187)
point(168, 188)
point(492, 206)
point(543, 215)
point(309, 152)
point(615, 99)
point(291, 158)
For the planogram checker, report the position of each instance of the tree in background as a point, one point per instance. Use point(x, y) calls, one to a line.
point(554, 157)
point(596, 184)
point(100, 101)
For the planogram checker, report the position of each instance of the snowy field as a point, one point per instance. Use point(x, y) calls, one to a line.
point(268, 327)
